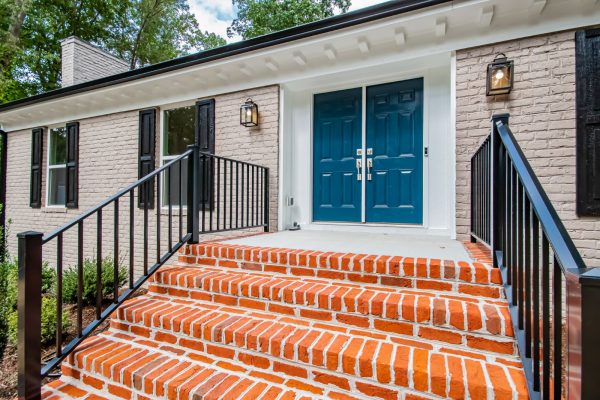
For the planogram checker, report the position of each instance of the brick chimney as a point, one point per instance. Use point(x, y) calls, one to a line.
point(82, 62)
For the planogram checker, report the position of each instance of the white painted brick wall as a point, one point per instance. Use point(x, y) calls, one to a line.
point(542, 117)
point(82, 62)
point(108, 161)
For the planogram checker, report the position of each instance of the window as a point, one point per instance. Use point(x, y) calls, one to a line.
point(178, 132)
point(57, 167)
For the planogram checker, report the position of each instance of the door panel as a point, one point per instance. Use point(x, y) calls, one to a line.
point(337, 134)
point(395, 133)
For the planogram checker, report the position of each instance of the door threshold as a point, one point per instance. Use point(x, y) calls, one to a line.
point(349, 227)
point(369, 224)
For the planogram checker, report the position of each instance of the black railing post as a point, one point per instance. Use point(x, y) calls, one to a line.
point(583, 324)
point(473, 192)
point(3, 155)
point(266, 201)
point(193, 210)
point(29, 315)
point(497, 193)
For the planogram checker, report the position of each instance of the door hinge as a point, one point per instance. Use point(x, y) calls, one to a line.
point(426, 151)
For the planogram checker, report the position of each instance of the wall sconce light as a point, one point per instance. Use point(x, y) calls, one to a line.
point(500, 76)
point(249, 113)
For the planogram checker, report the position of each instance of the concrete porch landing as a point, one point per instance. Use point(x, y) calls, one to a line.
point(361, 243)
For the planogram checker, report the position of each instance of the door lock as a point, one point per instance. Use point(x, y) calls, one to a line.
point(359, 169)
point(369, 167)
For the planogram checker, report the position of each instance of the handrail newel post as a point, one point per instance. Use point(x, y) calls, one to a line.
point(193, 206)
point(266, 201)
point(583, 324)
point(29, 315)
point(496, 197)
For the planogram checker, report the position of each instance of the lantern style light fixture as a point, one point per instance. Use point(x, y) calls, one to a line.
point(249, 113)
point(500, 76)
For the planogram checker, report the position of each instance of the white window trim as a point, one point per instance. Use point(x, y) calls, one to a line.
point(50, 167)
point(164, 159)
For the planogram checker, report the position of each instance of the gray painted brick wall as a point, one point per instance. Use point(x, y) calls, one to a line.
point(109, 161)
point(542, 117)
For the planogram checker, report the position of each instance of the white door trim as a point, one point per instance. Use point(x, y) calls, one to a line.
point(363, 86)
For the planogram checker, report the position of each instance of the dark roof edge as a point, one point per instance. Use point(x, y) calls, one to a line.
point(334, 23)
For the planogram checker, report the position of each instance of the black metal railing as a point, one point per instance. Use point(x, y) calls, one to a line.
point(552, 296)
point(480, 193)
point(214, 193)
point(3, 164)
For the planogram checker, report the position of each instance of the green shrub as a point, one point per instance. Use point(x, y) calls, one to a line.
point(9, 276)
point(89, 281)
point(8, 298)
point(48, 317)
point(48, 278)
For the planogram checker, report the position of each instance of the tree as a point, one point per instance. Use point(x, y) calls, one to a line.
point(142, 32)
point(259, 17)
point(12, 15)
point(159, 30)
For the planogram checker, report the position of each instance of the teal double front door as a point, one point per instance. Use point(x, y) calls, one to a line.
point(373, 171)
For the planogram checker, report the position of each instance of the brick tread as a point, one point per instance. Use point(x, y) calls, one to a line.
point(121, 367)
point(128, 369)
point(356, 305)
point(261, 337)
point(350, 265)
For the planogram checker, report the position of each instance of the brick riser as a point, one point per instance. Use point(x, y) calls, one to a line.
point(473, 279)
point(264, 329)
point(478, 326)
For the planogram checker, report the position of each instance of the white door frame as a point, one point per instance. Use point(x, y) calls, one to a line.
point(363, 86)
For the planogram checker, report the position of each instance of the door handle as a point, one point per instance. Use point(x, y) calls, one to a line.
point(369, 166)
point(359, 169)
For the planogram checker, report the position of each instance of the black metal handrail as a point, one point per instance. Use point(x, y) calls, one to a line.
point(544, 275)
point(219, 194)
point(480, 193)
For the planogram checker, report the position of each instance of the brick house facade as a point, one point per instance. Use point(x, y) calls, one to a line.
point(102, 173)
point(542, 117)
point(541, 105)
point(368, 123)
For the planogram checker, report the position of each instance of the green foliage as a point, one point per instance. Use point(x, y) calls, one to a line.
point(89, 281)
point(8, 298)
point(151, 31)
point(9, 271)
point(8, 295)
point(259, 17)
point(48, 317)
point(142, 32)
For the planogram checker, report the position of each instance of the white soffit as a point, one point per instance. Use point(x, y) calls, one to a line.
point(435, 30)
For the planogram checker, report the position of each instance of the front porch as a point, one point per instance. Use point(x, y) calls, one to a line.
point(320, 315)
point(413, 246)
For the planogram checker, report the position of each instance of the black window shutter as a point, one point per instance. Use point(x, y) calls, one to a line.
point(588, 121)
point(35, 192)
point(205, 137)
point(147, 151)
point(72, 164)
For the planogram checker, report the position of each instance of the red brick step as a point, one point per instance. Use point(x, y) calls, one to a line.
point(475, 279)
point(117, 368)
point(237, 322)
point(422, 314)
point(263, 342)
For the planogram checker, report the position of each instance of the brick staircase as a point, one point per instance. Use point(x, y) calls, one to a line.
point(236, 322)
